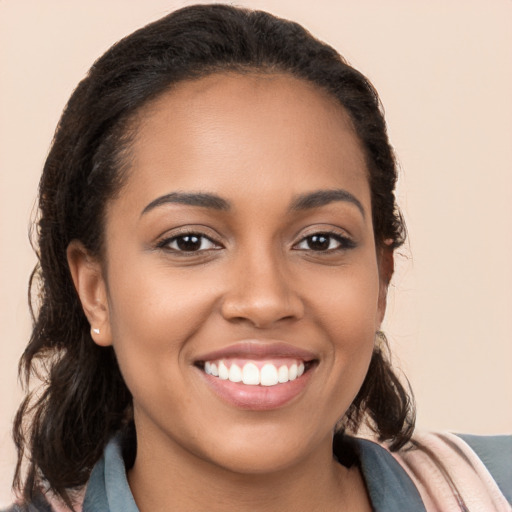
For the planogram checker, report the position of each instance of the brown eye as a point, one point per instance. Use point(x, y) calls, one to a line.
point(324, 242)
point(190, 242)
point(319, 242)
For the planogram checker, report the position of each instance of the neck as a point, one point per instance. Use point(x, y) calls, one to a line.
point(166, 477)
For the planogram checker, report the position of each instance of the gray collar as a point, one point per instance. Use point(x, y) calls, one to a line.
point(389, 486)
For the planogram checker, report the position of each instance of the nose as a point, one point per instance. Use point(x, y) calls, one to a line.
point(261, 293)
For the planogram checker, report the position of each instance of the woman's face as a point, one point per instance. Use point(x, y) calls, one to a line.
point(241, 247)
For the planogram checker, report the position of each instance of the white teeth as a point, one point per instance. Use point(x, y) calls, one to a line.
point(282, 374)
point(223, 371)
point(268, 375)
point(235, 374)
point(250, 374)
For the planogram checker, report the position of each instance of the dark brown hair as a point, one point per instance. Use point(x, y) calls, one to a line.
point(62, 429)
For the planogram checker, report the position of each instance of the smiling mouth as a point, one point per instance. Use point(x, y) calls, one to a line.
point(266, 373)
point(257, 375)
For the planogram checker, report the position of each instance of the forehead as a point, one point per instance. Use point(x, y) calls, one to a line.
point(256, 133)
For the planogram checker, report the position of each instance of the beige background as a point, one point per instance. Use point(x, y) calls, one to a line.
point(444, 72)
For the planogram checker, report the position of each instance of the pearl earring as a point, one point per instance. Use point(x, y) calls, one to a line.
point(96, 331)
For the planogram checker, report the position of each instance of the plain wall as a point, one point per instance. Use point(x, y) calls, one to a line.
point(444, 73)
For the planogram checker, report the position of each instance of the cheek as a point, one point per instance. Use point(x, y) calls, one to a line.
point(154, 316)
point(345, 306)
point(154, 306)
point(346, 302)
point(154, 320)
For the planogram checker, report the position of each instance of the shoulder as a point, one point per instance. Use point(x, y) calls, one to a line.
point(460, 469)
point(438, 471)
point(46, 501)
point(495, 452)
point(39, 504)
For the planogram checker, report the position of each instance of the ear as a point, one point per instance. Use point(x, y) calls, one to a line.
point(386, 268)
point(90, 285)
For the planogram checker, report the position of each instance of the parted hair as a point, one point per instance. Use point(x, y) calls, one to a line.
point(63, 425)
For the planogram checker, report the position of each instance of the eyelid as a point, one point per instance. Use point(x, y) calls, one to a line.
point(346, 241)
point(164, 240)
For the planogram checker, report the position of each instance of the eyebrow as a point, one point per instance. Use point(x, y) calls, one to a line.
point(324, 197)
point(211, 201)
point(307, 201)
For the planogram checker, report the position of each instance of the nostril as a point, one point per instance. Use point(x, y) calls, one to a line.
point(262, 309)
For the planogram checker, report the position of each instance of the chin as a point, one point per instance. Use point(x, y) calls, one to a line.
point(258, 460)
point(260, 451)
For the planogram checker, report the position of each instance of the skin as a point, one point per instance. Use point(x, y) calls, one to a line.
point(257, 141)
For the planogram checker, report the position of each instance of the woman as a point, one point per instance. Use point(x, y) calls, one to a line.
point(216, 239)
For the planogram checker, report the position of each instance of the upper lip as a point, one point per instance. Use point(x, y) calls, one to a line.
point(258, 349)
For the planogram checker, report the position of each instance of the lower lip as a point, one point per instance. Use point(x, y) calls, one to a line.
point(257, 398)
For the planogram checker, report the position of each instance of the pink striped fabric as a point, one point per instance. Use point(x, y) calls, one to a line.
point(450, 476)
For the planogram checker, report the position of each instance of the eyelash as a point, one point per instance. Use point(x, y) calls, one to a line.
point(345, 243)
point(165, 244)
